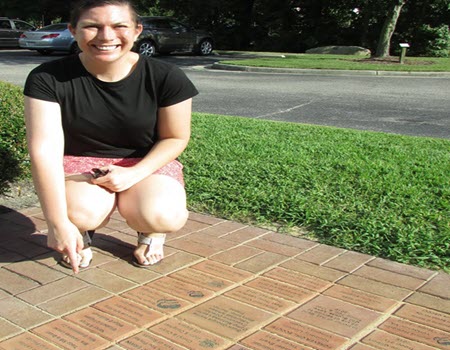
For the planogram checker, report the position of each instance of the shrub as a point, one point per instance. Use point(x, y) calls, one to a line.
point(434, 42)
point(14, 161)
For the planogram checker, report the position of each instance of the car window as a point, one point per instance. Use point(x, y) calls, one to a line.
point(4, 24)
point(23, 25)
point(162, 24)
point(58, 26)
point(176, 25)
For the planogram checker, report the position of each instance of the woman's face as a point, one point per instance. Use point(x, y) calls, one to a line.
point(106, 33)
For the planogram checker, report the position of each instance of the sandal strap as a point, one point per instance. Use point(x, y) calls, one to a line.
point(147, 240)
point(87, 241)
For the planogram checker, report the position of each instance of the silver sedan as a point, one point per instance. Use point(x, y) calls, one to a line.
point(55, 37)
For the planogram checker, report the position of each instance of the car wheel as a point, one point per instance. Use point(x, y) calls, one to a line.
point(74, 49)
point(45, 52)
point(147, 48)
point(206, 47)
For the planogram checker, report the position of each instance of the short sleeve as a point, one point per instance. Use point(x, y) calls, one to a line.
point(40, 85)
point(176, 88)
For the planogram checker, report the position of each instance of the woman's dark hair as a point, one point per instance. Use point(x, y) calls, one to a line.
point(83, 5)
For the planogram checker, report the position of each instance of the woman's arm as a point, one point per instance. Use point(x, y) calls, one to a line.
point(45, 139)
point(174, 130)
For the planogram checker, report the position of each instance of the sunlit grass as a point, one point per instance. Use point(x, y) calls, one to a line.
point(346, 62)
point(376, 193)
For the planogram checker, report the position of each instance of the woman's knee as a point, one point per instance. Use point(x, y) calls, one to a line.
point(87, 207)
point(157, 219)
point(87, 218)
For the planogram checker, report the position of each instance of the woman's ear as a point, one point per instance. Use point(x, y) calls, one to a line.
point(71, 29)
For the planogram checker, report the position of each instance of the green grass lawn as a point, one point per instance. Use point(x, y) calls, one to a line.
point(346, 62)
point(381, 194)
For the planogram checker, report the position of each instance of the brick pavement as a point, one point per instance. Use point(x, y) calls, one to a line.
point(222, 285)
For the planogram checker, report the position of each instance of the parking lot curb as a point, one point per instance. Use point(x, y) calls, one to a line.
point(230, 67)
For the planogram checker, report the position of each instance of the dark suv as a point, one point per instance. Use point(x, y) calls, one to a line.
point(10, 31)
point(166, 35)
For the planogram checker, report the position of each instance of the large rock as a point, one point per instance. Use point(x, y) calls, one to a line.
point(340, 50)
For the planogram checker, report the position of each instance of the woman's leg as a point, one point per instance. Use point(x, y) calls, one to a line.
point(157, 204)
point(89, 206)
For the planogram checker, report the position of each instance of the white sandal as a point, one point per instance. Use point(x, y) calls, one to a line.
point(85, 256)
point(154, 241)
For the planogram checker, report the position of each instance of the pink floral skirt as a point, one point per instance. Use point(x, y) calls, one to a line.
point(84, 165)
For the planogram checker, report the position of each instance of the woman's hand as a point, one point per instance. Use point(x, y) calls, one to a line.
point(67, 240)
point(117, 179)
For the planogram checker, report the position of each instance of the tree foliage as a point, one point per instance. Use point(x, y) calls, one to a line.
point(288, 25)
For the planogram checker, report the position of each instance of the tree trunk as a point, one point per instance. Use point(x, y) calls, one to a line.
point(384, 42)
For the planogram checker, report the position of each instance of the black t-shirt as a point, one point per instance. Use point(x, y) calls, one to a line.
point(110, 120)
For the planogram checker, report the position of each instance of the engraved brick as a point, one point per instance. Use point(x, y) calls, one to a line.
point(102, 324)
point(156, 300)
point(261, 262)
point(282, 290)
point(22, 314)
point(188, 335)
point(311, 269)
point(245, 234)
point(361, 298)
point(127, 271)
point(15, 284)
point(201, 279)
point(239, 347)
point(81, 298)
point(335, 316)
point(222, 228)
point(129, 311)
point(274, 247)
point(298, 279)
point(52, 290)
point(223, 271)
point(430, 301)
point(348, 261)
point(148, 341)
point(186, 291)
point(265, 341)
point(360, 346)
point(388, 277)
point(175, 262)
point(197, 244)
point(438, 286)
point(403, 269)
point(416, 332)
point(226, 317)
point(236, 255)
point(375, 287)
point(105, 280)
point(321, 254)
point(306, 335)
point(26, 341)
point(260, 299)
point(424, 316)
point(8, 329)
point(69, 336)
point(386, 341)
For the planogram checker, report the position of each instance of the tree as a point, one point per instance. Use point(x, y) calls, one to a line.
point(384, 41)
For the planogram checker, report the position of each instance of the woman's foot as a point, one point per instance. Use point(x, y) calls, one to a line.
point(150, 249)
point(85, 256)
point(84, 259)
